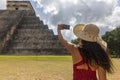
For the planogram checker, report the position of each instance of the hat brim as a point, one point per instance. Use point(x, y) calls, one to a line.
point(84, 36)
point(78, 31)
point(78, 28)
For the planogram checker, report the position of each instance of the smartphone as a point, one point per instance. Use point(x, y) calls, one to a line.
point(66, 26)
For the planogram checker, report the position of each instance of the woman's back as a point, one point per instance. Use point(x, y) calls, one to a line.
point(90, 57)
point(83, 71)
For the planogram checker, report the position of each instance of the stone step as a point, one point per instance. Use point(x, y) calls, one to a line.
point(9, 14)
point(32, 38)
point(35, 31)
point(37, 26)
point(32, 27)
point(30, 48)
point(2, 12)
point(28, 13)
point(7, 18)
point(52, 51)
point(28, 18)
point(31, 35)
point(3, 23)
point(31, 22)
point(34, 45)
point(6, 12)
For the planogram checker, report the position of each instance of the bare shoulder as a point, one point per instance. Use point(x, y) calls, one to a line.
point(71, 47)
point(76, 54)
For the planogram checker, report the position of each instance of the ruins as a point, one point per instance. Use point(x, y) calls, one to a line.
point(23, 33)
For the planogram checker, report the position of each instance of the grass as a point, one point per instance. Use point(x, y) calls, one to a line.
point(42, 68)
point(39, 58)
point(116, 74)
point(35, 68)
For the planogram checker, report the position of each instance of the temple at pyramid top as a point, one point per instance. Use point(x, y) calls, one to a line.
point(19, 5)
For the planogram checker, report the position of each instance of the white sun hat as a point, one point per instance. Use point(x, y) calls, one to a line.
point(89, 32)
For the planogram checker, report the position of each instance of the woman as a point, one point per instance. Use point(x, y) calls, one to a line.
point(91, 54)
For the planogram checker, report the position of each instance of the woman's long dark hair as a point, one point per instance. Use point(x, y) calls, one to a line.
point(95, 54)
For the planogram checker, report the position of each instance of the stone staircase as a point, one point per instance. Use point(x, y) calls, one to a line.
point(32, 37)
point(9, 21)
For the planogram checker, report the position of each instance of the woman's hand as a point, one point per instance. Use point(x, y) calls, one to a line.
point(60, 26)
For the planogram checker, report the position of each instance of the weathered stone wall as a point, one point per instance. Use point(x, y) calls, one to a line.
point(32, 37)
point(7, 29)
point(27, 34)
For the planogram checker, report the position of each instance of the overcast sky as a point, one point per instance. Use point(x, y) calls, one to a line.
point(104, 13)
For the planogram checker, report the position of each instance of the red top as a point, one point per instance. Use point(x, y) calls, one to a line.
point(82, 74)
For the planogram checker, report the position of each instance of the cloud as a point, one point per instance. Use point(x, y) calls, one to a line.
point(114, 19)
point(83, 11)
point(2, 4)
point(104, 13)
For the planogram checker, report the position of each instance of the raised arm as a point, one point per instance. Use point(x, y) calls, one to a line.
point(73, 50)
point(62, 40)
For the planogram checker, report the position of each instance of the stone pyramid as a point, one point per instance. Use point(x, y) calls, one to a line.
point(22, 33)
